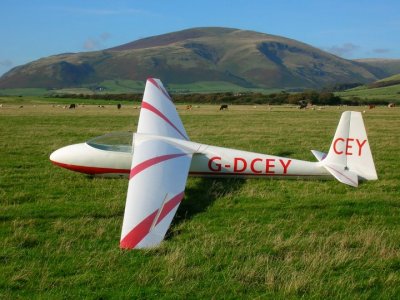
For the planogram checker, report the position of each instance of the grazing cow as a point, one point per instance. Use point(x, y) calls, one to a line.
point(188, 107)
point(302, 104)
point(72, 106)
point(223, 106)
point(119, 105)
point(371, 106)
point(100, 106)
point(391, 105)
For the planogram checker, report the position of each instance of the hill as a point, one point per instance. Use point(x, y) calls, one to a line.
point(382, 91)
point(381, 67)
point(245, 59)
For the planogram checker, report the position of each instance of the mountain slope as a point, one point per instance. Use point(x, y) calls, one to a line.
point(244, 58)
point(383, 91)
point(381, 67)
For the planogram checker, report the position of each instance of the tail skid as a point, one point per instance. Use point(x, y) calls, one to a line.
point(349, 158)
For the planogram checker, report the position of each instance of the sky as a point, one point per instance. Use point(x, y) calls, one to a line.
point(33, 29)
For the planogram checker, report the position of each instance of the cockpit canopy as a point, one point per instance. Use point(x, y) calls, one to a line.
point(114, 141)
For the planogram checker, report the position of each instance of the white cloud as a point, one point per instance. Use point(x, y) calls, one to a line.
point(103, 11)
point(381, 50)
point(96, 43)
point(6, 63)
point(90, 44)
point(344, 50)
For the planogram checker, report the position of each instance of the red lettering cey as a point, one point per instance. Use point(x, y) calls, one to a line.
point(285, 165)
point(335, 145)
point(253, 162)
point(269, 164)
point(213, 166)
point(236, 162)
point(347, 146)
point(360, 145)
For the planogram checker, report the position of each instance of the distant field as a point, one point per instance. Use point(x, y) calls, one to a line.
point(13, 101)
point(216, 87)
point(389, 93)
point(22, 91)
point(132, 86)
point(231, 239)
point(391, 78)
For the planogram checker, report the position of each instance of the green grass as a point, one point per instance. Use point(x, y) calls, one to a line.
point(24, 91)
point(389, 93)
point(391, 78)
point(132, 86)
point(215, 87)
point(255, 238)
point(12, 101)
point(123, 86)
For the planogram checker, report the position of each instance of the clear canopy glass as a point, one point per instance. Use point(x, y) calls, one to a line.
point(114, 141)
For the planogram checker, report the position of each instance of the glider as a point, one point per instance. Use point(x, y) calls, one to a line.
point(159, 157)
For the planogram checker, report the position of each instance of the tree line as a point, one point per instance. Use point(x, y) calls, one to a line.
point(313, 97)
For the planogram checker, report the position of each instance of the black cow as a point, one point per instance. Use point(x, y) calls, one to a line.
point(72, 106)
point(303, 104)
point(119, 105)
point(223, 106)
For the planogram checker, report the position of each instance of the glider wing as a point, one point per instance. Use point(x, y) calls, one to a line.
point(156, 187)
point(159, 171)
point(158, 115)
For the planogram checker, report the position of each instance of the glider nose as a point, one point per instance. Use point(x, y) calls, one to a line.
point(67, 157)
point(57, 156)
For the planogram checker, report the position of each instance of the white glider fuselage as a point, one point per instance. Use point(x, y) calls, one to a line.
point(207, 161)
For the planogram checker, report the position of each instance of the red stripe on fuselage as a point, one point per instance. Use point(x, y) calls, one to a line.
point(226, 174)
point(90, 170)
point(154, 110)
point(99, 171)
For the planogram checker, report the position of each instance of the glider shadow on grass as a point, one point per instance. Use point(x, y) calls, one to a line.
point(201, 196)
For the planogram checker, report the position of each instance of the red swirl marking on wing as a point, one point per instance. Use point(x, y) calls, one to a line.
point(140, 231)
point(151, 162)
point(154, 110)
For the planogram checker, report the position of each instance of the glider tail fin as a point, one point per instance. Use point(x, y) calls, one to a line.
point(349, 157)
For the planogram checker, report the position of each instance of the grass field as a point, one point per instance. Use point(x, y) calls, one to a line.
point(388, 93)
point(132, 86)
point(231, 239)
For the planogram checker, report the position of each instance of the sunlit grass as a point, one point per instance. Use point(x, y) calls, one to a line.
point(255, 238)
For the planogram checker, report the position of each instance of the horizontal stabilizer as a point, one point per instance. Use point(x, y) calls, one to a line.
point(318, 154)
point(343, 175)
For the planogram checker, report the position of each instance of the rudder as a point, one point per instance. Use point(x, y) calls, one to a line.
point(350, 153)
